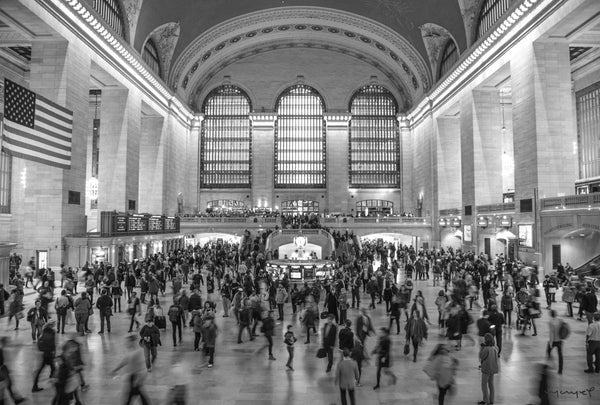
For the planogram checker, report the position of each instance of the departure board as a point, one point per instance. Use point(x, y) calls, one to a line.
point(120, 223)
point(137, 224)
point(170, 224)
point(155, 224)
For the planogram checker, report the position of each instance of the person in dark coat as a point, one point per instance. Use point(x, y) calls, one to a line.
point(383, 351)
point(364, 326)
point(38, 317)
point(268, 328)
point(104, 304)
point(150, 338)
point(47, 345)
point(329, 336)
point(332, 304)
point(209, 334)
point(346, 336)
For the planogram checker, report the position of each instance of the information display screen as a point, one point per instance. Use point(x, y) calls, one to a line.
point(121, 223)
point(155, 224)
point(170, 224)
point(137, 224)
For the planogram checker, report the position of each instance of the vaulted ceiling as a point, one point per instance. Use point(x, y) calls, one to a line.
point(195, 17)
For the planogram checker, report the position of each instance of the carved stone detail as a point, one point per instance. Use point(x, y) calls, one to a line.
point(255, 24)
point(435, 38)
point(165, 38)
point(132, 13)
point(470, 13)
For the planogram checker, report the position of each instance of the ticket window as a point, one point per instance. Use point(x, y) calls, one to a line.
point(41, 259)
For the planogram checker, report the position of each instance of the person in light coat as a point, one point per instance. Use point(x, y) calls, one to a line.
point(346, 375)
point(280, 297)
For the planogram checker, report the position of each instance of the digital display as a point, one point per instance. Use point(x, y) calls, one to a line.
point(309, 273)
point(297, 275)
point(170, 224)
point(155, 224)
point(137, 224)
point(121, 223)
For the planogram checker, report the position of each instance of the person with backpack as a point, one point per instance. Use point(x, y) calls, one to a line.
point(175, 314)
point(61, 306)
point(46, 345)
point(83, 308)
point(558, 331)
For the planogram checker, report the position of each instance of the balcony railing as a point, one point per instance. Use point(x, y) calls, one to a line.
point(491, 208)
point(571, 201)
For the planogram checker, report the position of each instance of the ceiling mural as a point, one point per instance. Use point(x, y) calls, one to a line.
point(401, 16)
point(165, 38)
point(132, 13)
point(435, 38)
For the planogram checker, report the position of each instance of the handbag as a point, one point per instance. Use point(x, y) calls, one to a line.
point(19, 315)
point(406, 349)
point(321, 353)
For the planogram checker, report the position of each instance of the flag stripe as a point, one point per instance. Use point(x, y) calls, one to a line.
point(41, 107)
point(23, 136)
point(60, 109)
point(38, 158)
point(32, 147)
point(48, 131)
point(19, 129)
point(51, 126)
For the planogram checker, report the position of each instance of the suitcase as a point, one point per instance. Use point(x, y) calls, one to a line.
point(160, 322)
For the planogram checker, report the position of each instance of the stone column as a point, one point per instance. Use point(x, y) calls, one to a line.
point(481, 153)
point(337, 139)
point(5, 249)
point(449, 163)
point(119, 163)
point(152, 165)
point(263, 153)
point(406, 153)
point(192, 197)
point(60, 72)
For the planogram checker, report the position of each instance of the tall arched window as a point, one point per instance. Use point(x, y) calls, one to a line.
point(374, 139)
point(226, 139)
point(300, 139)
point(491, 11)
point(150, 56)
point(449, 58)
point(110, 10)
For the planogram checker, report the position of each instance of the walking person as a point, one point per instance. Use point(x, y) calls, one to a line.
point(15, 307)
point(507, 307)
point(245, 318)
point(46, 345)
point(104, 304)
point(289, 339)
point(329, 337)
point(196, 323)
point(383, 352)
point(134, 308)
point(281, 297)
point(488, 364)
point(209, 335)
point(6, 383)
point(592, 345)
point(37, 317)
point(416, 328)
point(555, 339)
point(135, 376)
point(175, 314)
point(358, 355)
point(364, 325)
point(268, 328)
point(346, 375)
point(150, 338)
point(441, 367)
point(116, 291)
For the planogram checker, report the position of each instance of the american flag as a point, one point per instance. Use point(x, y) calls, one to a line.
point(35, 128)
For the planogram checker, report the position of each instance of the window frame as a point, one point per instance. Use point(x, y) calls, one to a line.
point(151, 57)
point(112, 13)
point(445, 67)
point(490, 12)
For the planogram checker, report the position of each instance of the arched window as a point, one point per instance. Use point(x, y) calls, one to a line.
point(150, 56)
point(374, 139)
point(110, 10)
point(449, 58)
point(491, 11)
point(226, 139)
point(300, 139)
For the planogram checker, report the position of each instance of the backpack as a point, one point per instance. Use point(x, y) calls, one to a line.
point(174, 313)
point(563, 330)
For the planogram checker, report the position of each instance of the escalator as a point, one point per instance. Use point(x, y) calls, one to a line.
point(591, 268)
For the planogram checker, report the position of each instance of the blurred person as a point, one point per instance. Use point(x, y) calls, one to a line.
point(47, 345)
point(592, 345)
point(135, 376)
point(346, 375)
point(442, 367)
point(6, 383)
point(383, 352)
point(15, 307)
point(134, 309)
point(555, 339)
point(329, 337)
point(268, 328)
point(37, 317)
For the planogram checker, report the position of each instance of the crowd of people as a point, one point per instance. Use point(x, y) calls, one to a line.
point(226, 279)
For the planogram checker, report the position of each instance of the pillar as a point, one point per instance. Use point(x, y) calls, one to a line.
point(263, 152)
point(152, 165)
point(448, 163)
point(191, 199)
point(337, 141)
point(118, 172)
point(59, 71)
point(406, 156)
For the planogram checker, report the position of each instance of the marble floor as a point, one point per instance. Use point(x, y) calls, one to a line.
point(243, 375)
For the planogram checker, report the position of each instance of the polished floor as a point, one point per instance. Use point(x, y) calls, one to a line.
point(243, 375)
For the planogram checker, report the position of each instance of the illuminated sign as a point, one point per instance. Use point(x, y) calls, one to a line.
point(456, 222)
point(482, 222)
point(506, 222)
point(443, 222)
